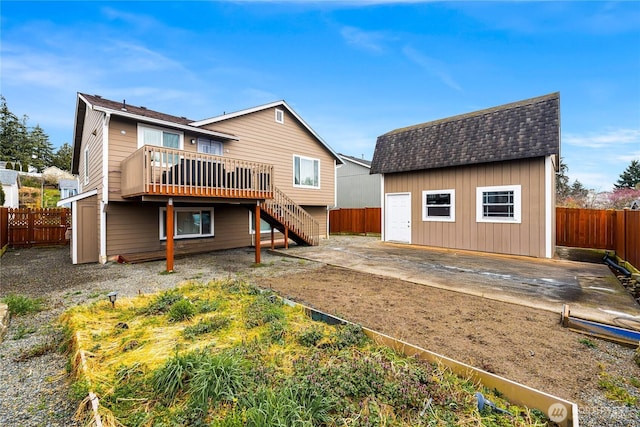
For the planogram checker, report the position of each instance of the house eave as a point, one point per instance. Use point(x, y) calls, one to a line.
point(165, 123)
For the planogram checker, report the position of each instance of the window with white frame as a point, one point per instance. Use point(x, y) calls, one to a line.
point(306, 172)
point(86, 165)
point(279, 116)
point(188, 223)
point(209, 146)
point(439, 205)
point(264, 226)
point(159, 137)
point(499, 204)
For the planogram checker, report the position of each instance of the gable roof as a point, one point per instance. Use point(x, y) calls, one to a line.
point(280, 103)
point(357, 161)
point(519, 130)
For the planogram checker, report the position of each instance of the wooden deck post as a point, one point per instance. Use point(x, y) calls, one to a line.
point(286, 237)
point(169, 232)
point(257, 234)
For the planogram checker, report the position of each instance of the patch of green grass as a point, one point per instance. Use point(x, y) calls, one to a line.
point(163, 302)
point(311, 336)
point(182, 310)
point(20, 305)
point(588, 343)
point(37, 351)
point(206, 326)
point(614, 389)
point(262, 310)
point(23, 331)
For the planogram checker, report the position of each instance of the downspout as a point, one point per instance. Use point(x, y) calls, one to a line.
point(105, 188)
point(549, 207)
point(74, 232)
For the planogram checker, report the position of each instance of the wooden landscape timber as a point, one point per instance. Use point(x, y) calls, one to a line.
point(627, 337)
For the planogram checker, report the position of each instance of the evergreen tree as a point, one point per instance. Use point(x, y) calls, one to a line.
point(2, 196)
point(630, 178)
point(41, 149)
point(62, 157)
point(578, 190)
point(13, 135)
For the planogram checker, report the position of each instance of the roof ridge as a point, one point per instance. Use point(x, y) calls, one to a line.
point(478, 113)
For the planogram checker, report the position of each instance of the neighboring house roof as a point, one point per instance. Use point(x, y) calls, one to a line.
point(71, 184)
point(140, 114)
point(282, 104)
point(361, 162)
point(519, 130)
point(8, 177)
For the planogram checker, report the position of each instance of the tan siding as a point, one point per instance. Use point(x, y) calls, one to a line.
point(264, 140)
point(526, 238)
point(134, 227)
point(93, 124)
point(320, 214)
point(123, 141)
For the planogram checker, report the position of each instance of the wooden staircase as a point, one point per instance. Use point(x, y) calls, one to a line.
point(282, 213)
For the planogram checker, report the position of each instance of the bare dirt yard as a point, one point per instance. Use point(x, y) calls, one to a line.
point(519, 343)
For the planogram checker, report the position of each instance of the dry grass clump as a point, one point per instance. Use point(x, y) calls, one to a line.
point(226, 354)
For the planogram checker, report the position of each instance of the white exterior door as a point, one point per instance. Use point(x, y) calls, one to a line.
point(398, 217)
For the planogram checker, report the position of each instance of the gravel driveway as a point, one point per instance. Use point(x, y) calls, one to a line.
point(34, 391)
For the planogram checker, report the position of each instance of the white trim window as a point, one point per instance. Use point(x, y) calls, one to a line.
point(439, 205)
point(188, 223)
point(264, 225)
point(499, 204)
point(279, 116)
point(159, 137)
point(306, 172)
point(209, 146)
point(86, 165)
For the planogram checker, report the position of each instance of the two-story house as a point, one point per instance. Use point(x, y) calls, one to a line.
point(149, 181)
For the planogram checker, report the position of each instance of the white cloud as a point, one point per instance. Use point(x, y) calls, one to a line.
point(605, 139)
point(433, 66)
point(366, 40)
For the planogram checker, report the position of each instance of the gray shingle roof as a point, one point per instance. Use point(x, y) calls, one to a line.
point(363, 162)
point(520, 130)
point(97, 100)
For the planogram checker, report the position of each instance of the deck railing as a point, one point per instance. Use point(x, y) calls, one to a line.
point(293, 216)
point(153, 170)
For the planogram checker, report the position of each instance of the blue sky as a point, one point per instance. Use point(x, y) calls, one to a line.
point(353, 70)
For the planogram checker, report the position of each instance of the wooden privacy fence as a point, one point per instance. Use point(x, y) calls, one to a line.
point(4, 228)
point(35, 227)
point(355, 220)
point(617, 230)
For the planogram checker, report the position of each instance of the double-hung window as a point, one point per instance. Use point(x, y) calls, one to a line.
point(499, 204)
point(306, 172)
point(439, 205)
point(164, 138)
point(188, 223)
